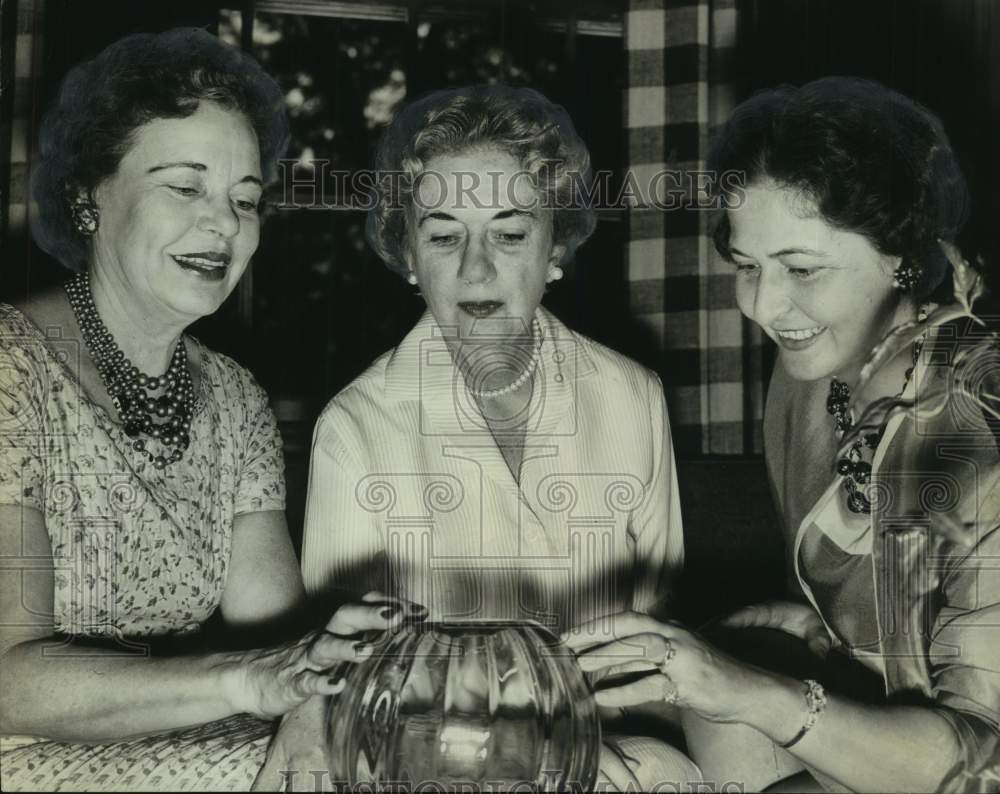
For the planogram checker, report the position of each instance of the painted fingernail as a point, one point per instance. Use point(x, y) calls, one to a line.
point(390, 612)
point(362, 648)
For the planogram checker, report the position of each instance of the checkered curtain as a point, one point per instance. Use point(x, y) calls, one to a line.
point(678, 53)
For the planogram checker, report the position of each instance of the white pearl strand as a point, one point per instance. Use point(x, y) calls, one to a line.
point(514, 385)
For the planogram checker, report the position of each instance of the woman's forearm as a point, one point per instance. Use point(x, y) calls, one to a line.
point(76, 693)
point(866, 748)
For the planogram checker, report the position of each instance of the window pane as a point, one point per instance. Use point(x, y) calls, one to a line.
point(321, 298)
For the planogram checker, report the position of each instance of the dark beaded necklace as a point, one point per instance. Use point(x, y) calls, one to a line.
point(165, 419)
point(855, 469)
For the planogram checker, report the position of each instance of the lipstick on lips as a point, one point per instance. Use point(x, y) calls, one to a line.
point(798, 339)
point(480, 309)
point(210, 265)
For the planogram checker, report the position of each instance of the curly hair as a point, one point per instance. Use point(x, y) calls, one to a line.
point(872, 161)
point(103, 102)
point(519, 121)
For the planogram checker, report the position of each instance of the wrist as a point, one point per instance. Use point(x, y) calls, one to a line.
point(230, 680)
point(775, 706)
point(815, 699)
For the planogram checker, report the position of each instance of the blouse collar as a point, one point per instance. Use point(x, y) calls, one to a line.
point(421, 368)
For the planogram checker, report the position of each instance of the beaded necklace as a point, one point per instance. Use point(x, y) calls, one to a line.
point(166, 419)
point(855, 470)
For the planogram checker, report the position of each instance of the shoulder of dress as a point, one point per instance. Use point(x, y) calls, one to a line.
point(13, 321)
point(230, 379)
point(22, 344)
point(224, 365)
point(597, 359)
point(366, 389)
point(968, 379)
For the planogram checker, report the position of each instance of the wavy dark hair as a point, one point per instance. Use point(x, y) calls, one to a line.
point(520, 121)
point(873, 161)
point(140, 78)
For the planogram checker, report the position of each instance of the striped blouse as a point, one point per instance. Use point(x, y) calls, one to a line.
point(410, 494)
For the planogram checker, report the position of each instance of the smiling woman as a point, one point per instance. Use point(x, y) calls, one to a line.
point(881, 438)
point(142, 504)
point(179, 218)
point(823, 294)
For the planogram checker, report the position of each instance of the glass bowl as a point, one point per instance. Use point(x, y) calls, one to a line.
point(456, 705)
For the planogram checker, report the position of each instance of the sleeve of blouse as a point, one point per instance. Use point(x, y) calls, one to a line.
point(341, 547)
point(656, 523)
point(965, 648)
point(21, 428)
point(261, 483)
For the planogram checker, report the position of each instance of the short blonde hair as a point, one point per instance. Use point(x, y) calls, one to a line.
point(520, 121)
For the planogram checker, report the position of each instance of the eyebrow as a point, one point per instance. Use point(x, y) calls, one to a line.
point(199, 167)
point(503, 215)
point(785, 252)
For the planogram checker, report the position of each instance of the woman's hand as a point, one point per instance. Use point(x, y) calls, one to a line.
point(799, 620)
point(269, 682)
point(682, 667)
point(296, 757)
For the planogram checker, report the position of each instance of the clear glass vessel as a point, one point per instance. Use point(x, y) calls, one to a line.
point(460, 705)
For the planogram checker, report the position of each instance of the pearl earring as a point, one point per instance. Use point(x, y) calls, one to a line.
point(412, 278)
point(555, 274)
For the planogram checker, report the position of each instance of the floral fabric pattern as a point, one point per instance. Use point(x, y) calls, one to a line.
point(138, 552)
point(219, 756)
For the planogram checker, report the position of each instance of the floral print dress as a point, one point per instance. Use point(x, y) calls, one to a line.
point(138, 552)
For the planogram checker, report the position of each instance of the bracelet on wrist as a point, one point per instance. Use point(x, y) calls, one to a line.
point(816, 705)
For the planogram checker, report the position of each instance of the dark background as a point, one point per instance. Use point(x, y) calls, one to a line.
point(318, 306)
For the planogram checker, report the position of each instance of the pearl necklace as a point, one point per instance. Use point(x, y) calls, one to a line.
point(127, 386)
point(514, 385)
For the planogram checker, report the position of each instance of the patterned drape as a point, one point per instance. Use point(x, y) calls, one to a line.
point(679, 53)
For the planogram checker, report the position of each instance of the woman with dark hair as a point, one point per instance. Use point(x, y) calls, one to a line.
point(140, 505)
point(496, 464)
point(881, 440)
